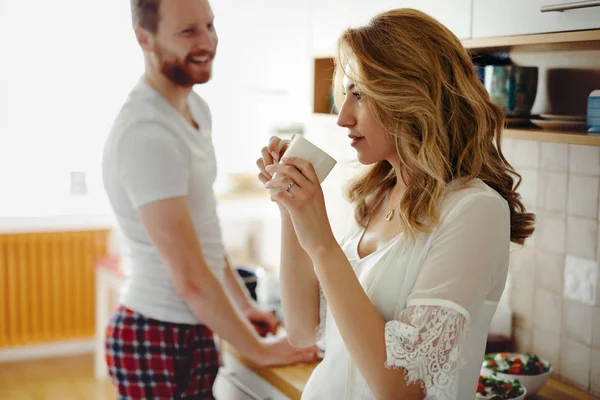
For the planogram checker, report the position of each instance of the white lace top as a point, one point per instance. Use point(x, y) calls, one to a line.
point(438, 296)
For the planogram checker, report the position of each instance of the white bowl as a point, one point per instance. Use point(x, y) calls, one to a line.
point(532, 383)
point(521, 397)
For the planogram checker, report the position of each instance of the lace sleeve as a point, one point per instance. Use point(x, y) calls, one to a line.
point(320, 332)
point(427, 342)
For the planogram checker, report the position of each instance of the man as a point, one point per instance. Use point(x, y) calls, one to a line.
point(158, 172)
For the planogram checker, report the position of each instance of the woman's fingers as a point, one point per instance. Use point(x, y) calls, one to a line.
point(290, 171)
point(305, 167)
point(266, 160)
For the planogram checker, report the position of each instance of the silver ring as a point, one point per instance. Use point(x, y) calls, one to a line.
point(287, 189)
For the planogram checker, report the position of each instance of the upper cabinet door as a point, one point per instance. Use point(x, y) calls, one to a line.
point(493, 18)
point(329, 18)
point(454, 14)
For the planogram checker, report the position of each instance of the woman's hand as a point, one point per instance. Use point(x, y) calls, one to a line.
point(297, 188)
point(270, 156)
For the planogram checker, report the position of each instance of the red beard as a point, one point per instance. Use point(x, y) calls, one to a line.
point(180, 72)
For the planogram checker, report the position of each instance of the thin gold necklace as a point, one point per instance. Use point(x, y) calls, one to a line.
point(390, 214)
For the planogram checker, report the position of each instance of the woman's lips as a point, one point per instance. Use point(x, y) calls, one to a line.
point(356, 140)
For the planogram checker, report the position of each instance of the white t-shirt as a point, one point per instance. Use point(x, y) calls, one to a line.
point(153, 153)
point(437, 296)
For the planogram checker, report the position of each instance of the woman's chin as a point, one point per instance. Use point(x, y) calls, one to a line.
point(365, 158)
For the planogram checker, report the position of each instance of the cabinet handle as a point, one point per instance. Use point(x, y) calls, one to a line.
point(570, 6)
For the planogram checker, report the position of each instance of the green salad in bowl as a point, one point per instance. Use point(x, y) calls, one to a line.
point(531, 370)
point(516, 364)
point(492, 388)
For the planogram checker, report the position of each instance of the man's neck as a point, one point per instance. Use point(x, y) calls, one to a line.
point(176, 95)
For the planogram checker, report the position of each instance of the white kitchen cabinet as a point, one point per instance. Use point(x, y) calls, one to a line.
point(454, 14)
point(492, 18)
point(329, 18)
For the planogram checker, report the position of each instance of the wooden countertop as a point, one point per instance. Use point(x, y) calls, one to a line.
point(557, 390)
point(290, 380)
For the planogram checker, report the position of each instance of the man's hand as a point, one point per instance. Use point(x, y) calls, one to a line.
point(264, 321)
point(279, 351)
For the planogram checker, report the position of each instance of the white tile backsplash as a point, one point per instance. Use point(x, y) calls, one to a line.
point(595, 372)
point(546, 344)
point(583, 196)
point(556, 303)
point(598, 245)
point(551, 232)
point(529, 187)
point(581, 280)
point(508, 150)
point(553, 191)
point(526, 154)
point(575, 362)
point(550, 271)
point(581, 237)
point(522, 264)
point(548, 311)
point(522, 301)
point(523, 339)
point(597, 286)
point(554, 157)
point(578, 321)
point(596, 329)
point(584, 159)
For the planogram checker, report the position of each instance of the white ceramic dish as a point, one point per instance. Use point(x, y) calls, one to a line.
point(564, 117)
point(517, 121)
point(560, 125)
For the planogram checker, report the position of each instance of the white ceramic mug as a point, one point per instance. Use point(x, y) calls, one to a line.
point(302, 148)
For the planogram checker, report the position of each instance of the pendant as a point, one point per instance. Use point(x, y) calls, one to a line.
point(389, 215)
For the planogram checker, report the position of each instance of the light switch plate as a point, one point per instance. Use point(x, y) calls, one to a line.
point(581, 280)
point(78, 183)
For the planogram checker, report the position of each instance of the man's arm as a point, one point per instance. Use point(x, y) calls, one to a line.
point(264, 321)
point(236, 288)
point(170, 228)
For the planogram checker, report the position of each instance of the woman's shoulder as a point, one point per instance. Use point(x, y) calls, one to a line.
point(473, 194)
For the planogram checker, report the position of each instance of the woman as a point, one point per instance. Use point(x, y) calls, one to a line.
point(404, 301)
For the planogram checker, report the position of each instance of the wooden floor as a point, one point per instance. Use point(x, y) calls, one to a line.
point(68, 378)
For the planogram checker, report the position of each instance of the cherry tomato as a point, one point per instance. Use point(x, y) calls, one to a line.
point(514, 370)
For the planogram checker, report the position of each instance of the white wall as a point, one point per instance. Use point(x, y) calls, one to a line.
point(261, 77)
point(68, 66)
point(67, 69)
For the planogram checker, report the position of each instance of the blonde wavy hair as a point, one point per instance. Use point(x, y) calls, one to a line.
point(419, 83)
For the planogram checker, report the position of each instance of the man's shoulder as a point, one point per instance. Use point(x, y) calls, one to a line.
point(201, 105)
point(139, 112)
point(139, 107)
point(200, 102)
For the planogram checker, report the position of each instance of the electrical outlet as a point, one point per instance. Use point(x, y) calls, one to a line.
point(78, 184)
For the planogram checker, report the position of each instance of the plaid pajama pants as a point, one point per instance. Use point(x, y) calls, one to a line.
point(150, 359)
